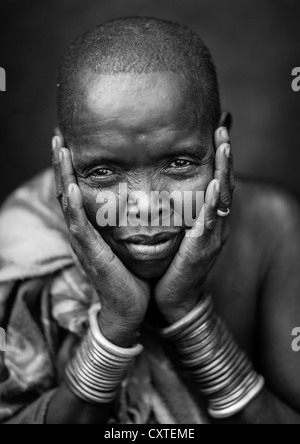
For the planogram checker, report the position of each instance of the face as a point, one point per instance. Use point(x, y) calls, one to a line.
point(147, 133)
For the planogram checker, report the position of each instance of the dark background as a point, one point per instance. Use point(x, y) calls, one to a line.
point(255, 44)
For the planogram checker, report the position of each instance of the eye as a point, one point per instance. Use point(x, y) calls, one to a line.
point(101, 172)
point(181, 163)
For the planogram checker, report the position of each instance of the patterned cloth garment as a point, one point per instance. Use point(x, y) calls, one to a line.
point(44, 300)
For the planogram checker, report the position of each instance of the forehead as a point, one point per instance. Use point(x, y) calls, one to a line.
point(137, 103)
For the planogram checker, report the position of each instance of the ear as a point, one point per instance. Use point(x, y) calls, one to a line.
point(226, 120)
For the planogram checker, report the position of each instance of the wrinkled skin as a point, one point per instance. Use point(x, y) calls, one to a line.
point(149, 134)
point(153, 136)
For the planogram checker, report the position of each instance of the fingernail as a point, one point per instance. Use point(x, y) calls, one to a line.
point(218, 186)
point(60, 155)
point(228, 151)
point(74, 195)
point(54, 143)
point(71, 188)
point(224, 134)
point(56, 152)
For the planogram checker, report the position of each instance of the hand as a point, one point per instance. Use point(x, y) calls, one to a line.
point(181, 288)
point(123, 297)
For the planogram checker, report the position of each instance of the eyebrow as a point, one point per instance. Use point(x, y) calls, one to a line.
point(85, 162)
point(196, 150)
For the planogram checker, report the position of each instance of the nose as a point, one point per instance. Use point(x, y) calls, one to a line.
point(155, 208)
point(141, 206)
point(146, 206)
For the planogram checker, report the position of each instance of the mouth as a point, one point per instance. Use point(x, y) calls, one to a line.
point(151, 248)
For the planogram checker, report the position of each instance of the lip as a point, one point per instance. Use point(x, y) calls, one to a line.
point(144, 252)
point(159, 238)
point(151, 248)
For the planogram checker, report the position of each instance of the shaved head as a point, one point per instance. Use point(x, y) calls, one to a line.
point(136, 46)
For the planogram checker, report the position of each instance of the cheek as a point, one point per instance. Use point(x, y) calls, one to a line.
point(193, 193)
point(195, 188)
point(91, 206)
point(198, 183)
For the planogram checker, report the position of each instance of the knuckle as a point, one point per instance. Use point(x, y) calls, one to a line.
point(210, 224)
point(221, 171)
point(65, 202)
point(186, 255)
point(78, 231)
point(98, 249)
point(190, 254)
point(225, 199)
point(74, 229)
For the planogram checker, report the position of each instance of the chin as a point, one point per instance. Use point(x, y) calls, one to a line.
point(149, 271)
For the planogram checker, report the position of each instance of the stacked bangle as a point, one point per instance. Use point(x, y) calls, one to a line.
point(98, 368)
point(224, 373)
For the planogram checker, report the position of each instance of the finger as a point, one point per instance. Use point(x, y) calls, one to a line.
point(67, 170)
point(78, 221)
point(223, 174)
point(87, 242)
point(67, 175)
point(207, 219)
point(232, 177)
point(213, 223)
point(194, 241)
point(57, 144)
point(211, 205)
point(92, 245)
point(221, 136)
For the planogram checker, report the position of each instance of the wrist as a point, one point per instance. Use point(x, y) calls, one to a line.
point(175, 314)
point(222, 370)
point(117, 334)
point(98, 368)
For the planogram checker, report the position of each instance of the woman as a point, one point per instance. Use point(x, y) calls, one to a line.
point(140, 322)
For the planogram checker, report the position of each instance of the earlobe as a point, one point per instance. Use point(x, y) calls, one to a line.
point(226, 120)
